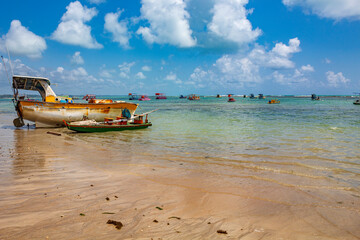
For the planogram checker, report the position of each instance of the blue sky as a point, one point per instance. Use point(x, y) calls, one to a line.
point(185, 46)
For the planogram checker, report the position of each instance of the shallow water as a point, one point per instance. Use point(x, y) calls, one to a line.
point(298, 160)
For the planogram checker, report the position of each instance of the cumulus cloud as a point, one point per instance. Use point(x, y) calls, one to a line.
point(77, 59)
point(172, 77)
point(72, 28)
point(230, 22)
point(307, 68)
point(140, 75)
point(334, 9)
point(20, 41)
point(168, 23)
point(244, 69)
point(335, 80)
point(97, 1)
point(146, 68)
point(299, 76)
point(125, 68)
point(118, 29)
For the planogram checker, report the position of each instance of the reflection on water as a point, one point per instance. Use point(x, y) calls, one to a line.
point(27, 158)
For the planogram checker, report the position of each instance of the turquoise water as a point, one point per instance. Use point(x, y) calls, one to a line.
point(297, 137)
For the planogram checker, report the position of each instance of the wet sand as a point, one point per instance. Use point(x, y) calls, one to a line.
point(58, 187)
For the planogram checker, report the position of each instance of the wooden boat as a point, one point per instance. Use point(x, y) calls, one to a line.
point(357, 101)
point(193, 97)
point(93, 126)
point(273, 101)
point(52, 110)
point(120, 124)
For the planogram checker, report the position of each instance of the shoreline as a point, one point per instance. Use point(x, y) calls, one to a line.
point(48, 181)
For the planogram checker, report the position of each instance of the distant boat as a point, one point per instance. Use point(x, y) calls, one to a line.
point(252, 96)
point(144, 98)
point(273, 101)
point(182, 96)
point(160, 96)
point(193, 97)
point(314, 97)
point(218, 96)
point(261, 96)
point(133, 96)
point(231, 99)
point(88, 97)
point(357, 101)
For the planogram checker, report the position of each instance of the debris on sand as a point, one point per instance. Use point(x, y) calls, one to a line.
point(221, 231)
point(108, 213)
point(175, 217)
point(82, 214)
point(107, 199)
point(56, 134)
point(159, 208)
point(155, 221)
point(117, 224)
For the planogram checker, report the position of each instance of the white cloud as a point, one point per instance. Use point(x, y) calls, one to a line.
point(169, 23)
point(300, 76)
point(60, 69)
point(334, 9)
point(286, 50)
point(77, 59)
point(307, 68)
point(80, 71)
point(237, 70)
point(229, 21)
point(125, 68)
point(97, 1)
point(140, 75)
point(118, 29)
point(278, 57)
point(172, 77)
point(327, 61)
point(334, 80)
point(20, 41)
point(146, 68)
point(105, 73)
point(72, 28)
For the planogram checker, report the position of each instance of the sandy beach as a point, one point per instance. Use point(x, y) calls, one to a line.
point(58, 187)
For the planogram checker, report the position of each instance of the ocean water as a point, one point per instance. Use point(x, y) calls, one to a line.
point(299, 139)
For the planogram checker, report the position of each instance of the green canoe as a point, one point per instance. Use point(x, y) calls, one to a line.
point(106, 127)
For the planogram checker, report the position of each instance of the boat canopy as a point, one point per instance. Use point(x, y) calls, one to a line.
point(42, 85)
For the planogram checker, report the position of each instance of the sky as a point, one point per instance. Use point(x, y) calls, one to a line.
point(206, 47)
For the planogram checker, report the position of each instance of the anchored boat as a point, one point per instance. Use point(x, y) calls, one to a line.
point(52, 110)
point(120, 124)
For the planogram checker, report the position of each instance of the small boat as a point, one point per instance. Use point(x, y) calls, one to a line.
point(273, 101)
point(88, 97)
point(218, 96)
point(133, 96)
point(182, 96)
point(252, 96)
point(261, 96)
point(144, 98)
point(119, 124)
point(231, 99)
point(314, 97)
point(357, 101)
point(160, 96)
point(193, 97)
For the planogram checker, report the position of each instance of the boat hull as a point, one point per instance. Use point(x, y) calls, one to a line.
point(106, 128)
point(49, 114)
